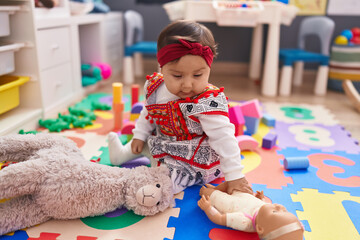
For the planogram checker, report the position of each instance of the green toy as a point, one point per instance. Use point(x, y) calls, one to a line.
point(100, 106)
point(59, 126)
point(48, 122)
point(77, 111)
point(82, 122)
point(28, 132)
point(67, 118)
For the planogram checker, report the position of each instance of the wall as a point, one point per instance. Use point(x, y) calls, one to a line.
point(234, 43)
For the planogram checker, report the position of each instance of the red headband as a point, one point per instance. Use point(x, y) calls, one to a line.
point(177, 50)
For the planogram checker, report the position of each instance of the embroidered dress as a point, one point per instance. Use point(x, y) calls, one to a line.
point(178, 139)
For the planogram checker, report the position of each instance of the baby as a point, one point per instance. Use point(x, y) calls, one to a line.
point(185, 122)
point(249, 213)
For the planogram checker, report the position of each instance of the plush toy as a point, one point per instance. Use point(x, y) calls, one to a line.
point(249, 213)
point(52, 180)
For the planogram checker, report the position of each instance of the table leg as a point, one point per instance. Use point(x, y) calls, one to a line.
point(256, 53)
point(271, 68)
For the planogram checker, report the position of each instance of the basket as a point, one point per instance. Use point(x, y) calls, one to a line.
point(233, 13)
point(9, 91)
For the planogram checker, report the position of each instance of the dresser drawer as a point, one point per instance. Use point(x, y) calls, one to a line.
point(53, 47)
point(56, 84)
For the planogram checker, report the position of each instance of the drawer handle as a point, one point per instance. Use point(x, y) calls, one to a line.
point(55, 46)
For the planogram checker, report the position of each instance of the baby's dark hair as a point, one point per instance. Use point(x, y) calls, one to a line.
point(187, 30)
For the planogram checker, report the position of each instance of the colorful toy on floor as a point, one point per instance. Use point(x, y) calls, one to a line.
point(82, 122)
point(54, 125)
point(269, 141)
point(100, 106)
point(105, 69)
point(268, 120)
point(69, 118)
point(252, 115)
point(134, 94)
point(237, 118)
point(249, 213)
point(291, 163)
point(127, 128)
point(118, 106)
point(247, 143)
point(22, 131)
point(59, 183)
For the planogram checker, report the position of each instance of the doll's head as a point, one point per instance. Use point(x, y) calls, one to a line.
point(273, 221)
point(185, 52)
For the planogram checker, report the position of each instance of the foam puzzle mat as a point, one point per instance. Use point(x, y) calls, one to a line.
point(325, 196)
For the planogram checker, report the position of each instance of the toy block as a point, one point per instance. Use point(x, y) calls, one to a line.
point(134, 116)
point(236, 117)
point(118, 105)
point(251, 108)
point(252, 124)
point(134, 94)
point(269, 140)
point(247, 142)
point(268, 120)
point(137, 107)
point(127, 128)
point(296, 163)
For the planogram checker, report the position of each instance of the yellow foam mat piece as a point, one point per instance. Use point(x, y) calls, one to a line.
point(326, 215)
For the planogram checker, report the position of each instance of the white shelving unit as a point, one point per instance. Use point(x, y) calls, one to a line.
point(54, 46)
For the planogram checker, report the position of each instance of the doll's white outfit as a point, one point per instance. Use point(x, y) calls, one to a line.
point(193, 136)
point(241, 209)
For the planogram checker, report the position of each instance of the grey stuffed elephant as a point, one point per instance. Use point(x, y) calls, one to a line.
point(52, 180)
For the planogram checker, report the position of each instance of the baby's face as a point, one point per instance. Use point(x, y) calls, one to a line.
point(273, 216)
point(186, 77)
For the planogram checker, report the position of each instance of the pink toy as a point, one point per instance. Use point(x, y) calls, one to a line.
point(251, 109)
point(105, 69)
point(247, 143)
point(236, 117)
point(127, 128)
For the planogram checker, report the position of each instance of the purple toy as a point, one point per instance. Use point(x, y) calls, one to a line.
point(269, 140)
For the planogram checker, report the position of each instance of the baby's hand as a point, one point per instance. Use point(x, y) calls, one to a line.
point(137, 146)
point(240, 185)
point(260, 195)
point(204, 203)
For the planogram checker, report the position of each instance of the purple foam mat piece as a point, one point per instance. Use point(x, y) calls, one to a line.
point(339, 137)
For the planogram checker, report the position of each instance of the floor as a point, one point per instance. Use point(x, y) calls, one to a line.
point(238, 87)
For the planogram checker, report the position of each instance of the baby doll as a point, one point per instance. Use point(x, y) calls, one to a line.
point(249, 213)
point(185, 123)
